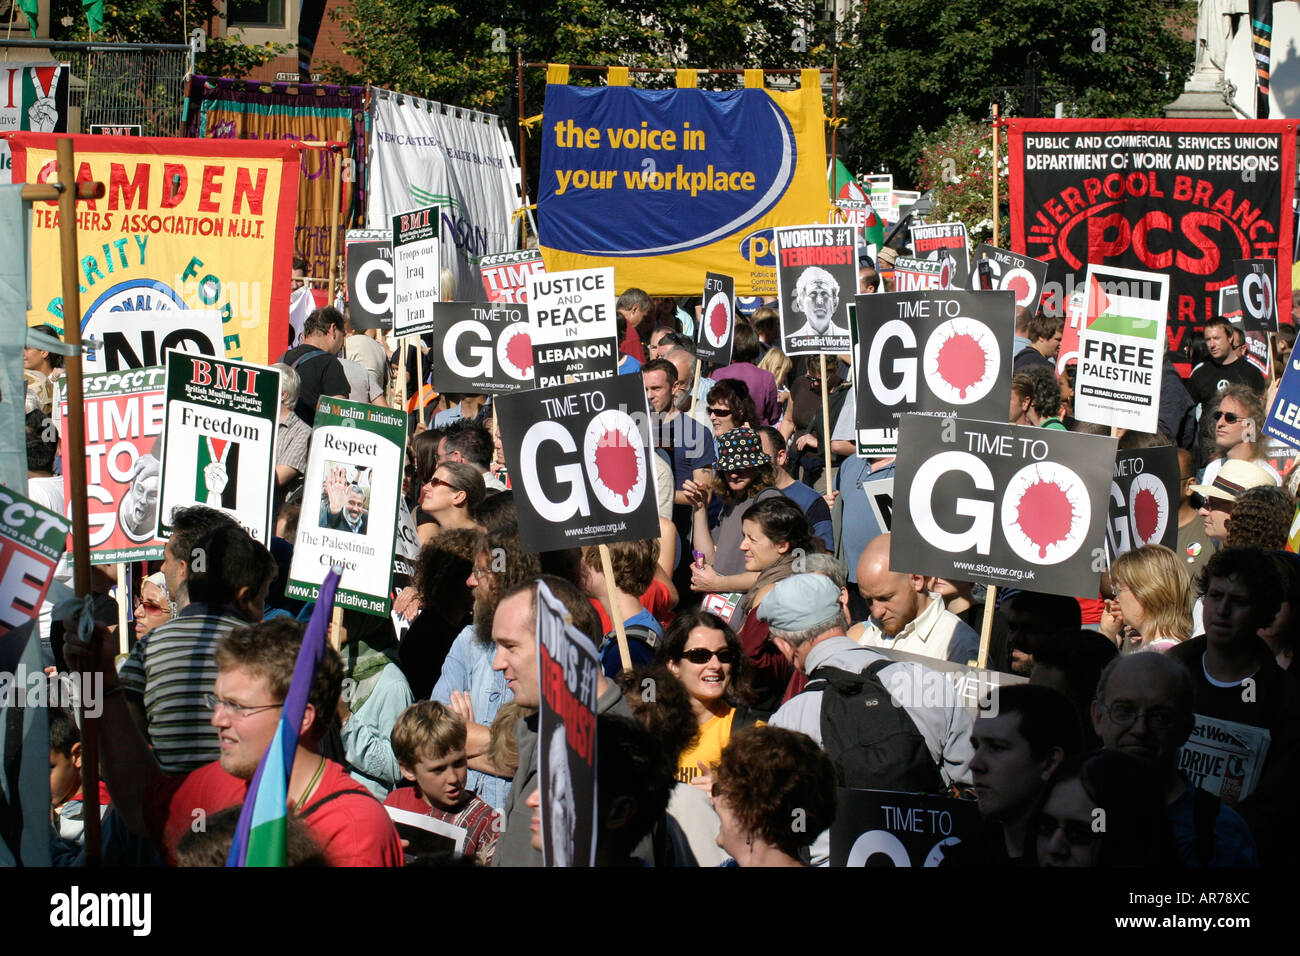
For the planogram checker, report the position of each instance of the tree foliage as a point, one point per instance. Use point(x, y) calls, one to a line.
point(956, 166)
point(915, 63)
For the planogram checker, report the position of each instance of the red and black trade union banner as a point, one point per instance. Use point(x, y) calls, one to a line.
point(1182, 197)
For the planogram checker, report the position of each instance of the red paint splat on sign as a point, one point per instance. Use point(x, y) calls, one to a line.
point(718, 321)
point(616, 463)
point(1146, 514)
point(962, 362)
point(519, 350)
point(1019, 287)
point(1045, 514)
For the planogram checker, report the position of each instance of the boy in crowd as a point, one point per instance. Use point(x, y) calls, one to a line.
point(429, 742)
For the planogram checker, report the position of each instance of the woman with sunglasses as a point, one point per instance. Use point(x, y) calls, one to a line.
point(730, 407)
point(1238, 431)
point(452, 494)
point(154, 606)
point(1152, 608)
point(705, 656)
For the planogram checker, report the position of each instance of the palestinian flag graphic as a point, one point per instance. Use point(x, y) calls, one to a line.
point(224, 454)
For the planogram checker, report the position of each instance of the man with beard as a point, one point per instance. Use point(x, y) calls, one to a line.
point(468, 684)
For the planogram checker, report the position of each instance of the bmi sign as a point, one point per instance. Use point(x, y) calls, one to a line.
point(417, 275)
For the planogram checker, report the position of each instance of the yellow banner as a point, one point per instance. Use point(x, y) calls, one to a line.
point(199, 225)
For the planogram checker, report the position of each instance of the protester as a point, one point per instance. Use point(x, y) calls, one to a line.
point(1152, 609)
point(1071, 664)
point(468, 442)
point(452, 494)
point(1194, 545)
point(1281, 636)
point(292, 436)
point(1216, 501)
point(1112, 787)
point(690, 396)
point(959, 598)
point(1222, 368)
point(731, 407)
point(760, 385)
point(1018, 744)
point(153, 607)
point(67, 802)
point(767, 777)
point(429, 743)
point(921, 744)
point(447, 606)
point(744, 478)
point(463, 407)
point(1144, 708)
point(1261, 518)
point(316, 362)
point(254, 668)
point(633, 306)
point(905, 614)
point(1036, 397)
point(633, 565)
point(1044, 333)
point(1032, 617)
point(1238, 432)
point(377, 695)
point(812, 504)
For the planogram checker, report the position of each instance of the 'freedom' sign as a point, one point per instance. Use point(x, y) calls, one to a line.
point(1003, 504)
point(934, 353)
point(481, 347)
point(580, 458)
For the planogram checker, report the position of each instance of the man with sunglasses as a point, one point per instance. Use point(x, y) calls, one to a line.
point(1144, 707)
point(1215, 501)
point(1223, 367)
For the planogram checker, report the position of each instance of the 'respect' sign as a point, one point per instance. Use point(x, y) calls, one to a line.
point(1003, 504)
point(505, 274)
point(1179, 197)
point(583, 463)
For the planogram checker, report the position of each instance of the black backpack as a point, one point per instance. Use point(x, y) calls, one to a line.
point(873, 742)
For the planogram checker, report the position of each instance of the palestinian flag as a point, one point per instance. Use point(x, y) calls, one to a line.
point(844, 187)
point(1122, 314)
point(222, 451)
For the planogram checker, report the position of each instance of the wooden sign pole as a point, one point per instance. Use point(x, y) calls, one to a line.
point(986, 628)
point(695, 384)
point(995, 176)
point(607, 567)
point(826, 425)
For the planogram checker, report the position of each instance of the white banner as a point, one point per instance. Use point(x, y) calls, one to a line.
point(459, 160)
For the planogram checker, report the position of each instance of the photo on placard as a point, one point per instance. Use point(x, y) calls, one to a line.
point(345, 497)
point(137, 515)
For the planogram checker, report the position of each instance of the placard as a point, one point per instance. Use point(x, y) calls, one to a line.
point(124, 414)
point(1009, 271)
point(219, 440)
point(1257, 288)
point(575, 326)
point(945, 243)
point(505, 274)
point(913, 275)
point(1121, 349)
point(370, 278)
point(717, 320)
point(1145, 494)
point(417, 275)
point(568, 671)
point(481, 347)
point(1224, 757)
point(1003, 504)
point(888, 828)
point(349, 506)
point(869, 442)
point(881, 195)
point(1283, 419)
point(583, 454)
point(32, 538)
point(816, 277)
point(128, 339)
point(934, 353)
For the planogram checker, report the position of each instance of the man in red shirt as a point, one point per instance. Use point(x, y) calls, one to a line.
point(255, 667)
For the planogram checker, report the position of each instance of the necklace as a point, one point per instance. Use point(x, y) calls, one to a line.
point(311, 785)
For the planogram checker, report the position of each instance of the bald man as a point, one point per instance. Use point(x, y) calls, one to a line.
point(905, 614)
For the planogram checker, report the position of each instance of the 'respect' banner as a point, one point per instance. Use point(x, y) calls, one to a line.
point(506, 274)
point(186, 224)
point(1002, 504)
point(124, 425)
point(32, 538)
point(1180, 197)
point(713, 171)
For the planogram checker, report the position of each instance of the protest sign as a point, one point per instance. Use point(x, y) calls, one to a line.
point(817, 277)
point(1002, 504)
point(717, 320)
point(426, 837)
point(714, 172)
point(370, 278)
point(124, 424)
point(1009, 271)
point(505, 274)
point(122, 129)
point(1145, 493)
point(1283, 420)
point(583, 453)
point(870, 442)
point(1224, 757)
point(1230, 304)
point(424, 153)
point(416, 272)
point(1256, 285)
point(32, 538)
point(219, 440)
point(863, 218)
point(1179, 197)
point(911, 275)
point(1281, 457)
point(574, 326)
point(976, 687)
point(127, 340)
point(1121, 349)
point(945, 243)
point(481, 347)
point(935, 353)
point(568, 669)
point(186, 224)
point(904, 200)
point(349, 508)
point(881, 196)
point(1068, 353)
point(889, 828)
point(37, 101)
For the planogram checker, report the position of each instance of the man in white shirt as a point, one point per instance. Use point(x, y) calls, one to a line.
point(905, 616)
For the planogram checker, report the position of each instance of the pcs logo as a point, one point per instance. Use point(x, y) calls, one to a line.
point(757, 248)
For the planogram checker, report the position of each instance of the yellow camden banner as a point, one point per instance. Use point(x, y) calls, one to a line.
point(666, 185)
point(186, 225)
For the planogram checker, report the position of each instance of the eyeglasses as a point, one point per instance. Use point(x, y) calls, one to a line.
point(1230, 417)
point(1199, 501)
point(702, 655)
point(151, 607)
point(719, 412)
point(235, 710)
point(1077, 832)
point(438, 481)
point(1125, 715)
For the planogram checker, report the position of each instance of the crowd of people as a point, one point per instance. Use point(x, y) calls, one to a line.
point(760, 620)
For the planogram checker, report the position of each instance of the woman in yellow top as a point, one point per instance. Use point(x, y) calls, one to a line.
point(704, 654)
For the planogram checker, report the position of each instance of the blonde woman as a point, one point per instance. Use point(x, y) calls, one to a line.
point(1152, 607)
